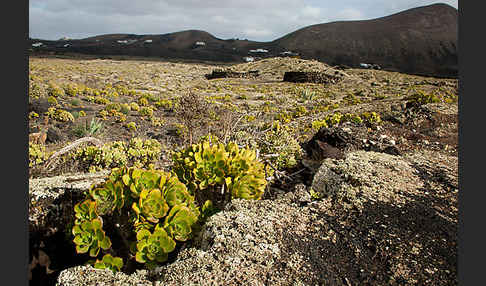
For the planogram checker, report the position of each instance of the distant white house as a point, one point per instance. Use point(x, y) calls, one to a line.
point(259, 51)
point(126, 42)
point(148, 41)
point(288, 54)
point(37, 44)
point(200, 43)
point(67, 45)
point(248, 59)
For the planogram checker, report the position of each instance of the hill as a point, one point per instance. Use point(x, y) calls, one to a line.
point(420, 41)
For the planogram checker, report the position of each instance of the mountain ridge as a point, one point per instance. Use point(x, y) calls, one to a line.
point(421, 40)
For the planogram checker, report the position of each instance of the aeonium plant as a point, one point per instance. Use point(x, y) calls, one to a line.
point(148, 211)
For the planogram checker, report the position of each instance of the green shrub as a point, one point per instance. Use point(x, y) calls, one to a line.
point(134, 106)
point(219, 173)
point(113, 106)
point(59, 114)
point(150, 209)
point(33, 115)
point(143, 101)
point(146, 111)
point(138, 152)
point(125, 108)
point(54, 90)
point(101, 100)
point(75, 102)
point(421, 97)
point(52, 100)
point(337, 118)
point(371, 117)
point(37, 154)
point(95, 126)
point(131, 126)
point(35, 91)
point(166, 104)
point(71, 90)
point(283, 149)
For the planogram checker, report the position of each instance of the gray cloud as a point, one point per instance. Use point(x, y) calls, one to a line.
point(259, 20)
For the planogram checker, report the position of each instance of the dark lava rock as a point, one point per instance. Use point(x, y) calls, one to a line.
point(39, 105)
point(54, 135)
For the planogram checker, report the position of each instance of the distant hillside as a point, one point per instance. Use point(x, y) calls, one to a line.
point(419, 41)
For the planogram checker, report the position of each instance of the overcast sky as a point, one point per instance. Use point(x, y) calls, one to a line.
point(258, 20)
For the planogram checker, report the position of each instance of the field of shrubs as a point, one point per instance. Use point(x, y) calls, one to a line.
point(177, 147)
point(143, 110)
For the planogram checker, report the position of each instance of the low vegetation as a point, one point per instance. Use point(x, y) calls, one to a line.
point(178, 147)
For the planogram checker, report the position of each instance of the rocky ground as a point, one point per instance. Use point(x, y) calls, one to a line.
point(363, 204)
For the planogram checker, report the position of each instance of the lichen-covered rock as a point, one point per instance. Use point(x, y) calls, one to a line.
point(363, 176)
point(242, 246)
point(51, 202)
point(398, 228)
point(87, 275)
point(44, 191)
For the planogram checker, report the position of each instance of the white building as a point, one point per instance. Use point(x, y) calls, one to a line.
point(248, 59)
point(148, 41)
point(288, 54)
point(122, 41)
point(37, 44)
point(200, 44)
point(259, 51)
point(66, 45)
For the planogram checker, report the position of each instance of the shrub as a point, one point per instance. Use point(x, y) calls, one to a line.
point(33, 115)
point(75, 102)
point(35, 91)
point(101, 100)
point(113, 106)
point(283, 148)
point(219, 173)
point(337, 118)
point(103, 114)
point(138, 152)
point(143, 101)
point(131, 126)
point(306, 94)
point(52, 100)
point(146, 111)
point(134, 106)
point(54, 90)
point(156, 121)
point(95, 126)
point(371, 117)
point(59, 114)
point(421, 97)
point(166, 104)
point(71, 90)
point(37, 154)
point(193, 113)
point(150, 209)
point(125, 108)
